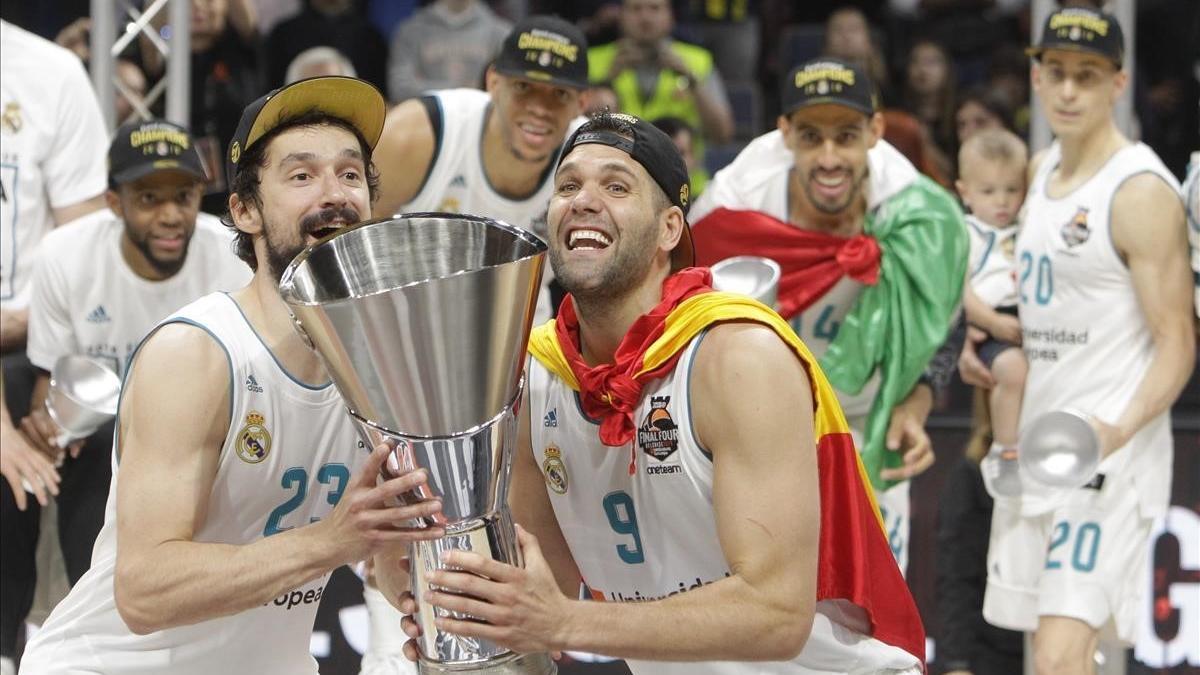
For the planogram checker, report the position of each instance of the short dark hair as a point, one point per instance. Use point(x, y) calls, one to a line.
point(246, 179)
point(990, 101)
point(671, 126)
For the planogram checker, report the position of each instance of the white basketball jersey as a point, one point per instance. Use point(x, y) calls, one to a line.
point(654, 534)
point(992, 262)
point(1085, 337)
point(1191, 198)
point(289, 454)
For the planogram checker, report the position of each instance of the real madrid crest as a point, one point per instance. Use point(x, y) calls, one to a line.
point(254, 441)
point(11, 119)
point(555, 470)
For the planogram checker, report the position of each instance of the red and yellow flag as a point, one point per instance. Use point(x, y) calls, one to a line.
point(855, 562)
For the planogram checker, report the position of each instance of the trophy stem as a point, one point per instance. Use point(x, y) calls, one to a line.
point(514, 664)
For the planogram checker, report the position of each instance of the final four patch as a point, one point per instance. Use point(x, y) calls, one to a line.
point(1076, 231)
point(555, 470)
point(254, 441)
point(658, 435)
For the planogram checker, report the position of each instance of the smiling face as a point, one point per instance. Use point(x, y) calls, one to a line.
point(313, 181)
point(159, 212)
point(611, 227)
point(533, 116)
point(1077, 90)
point(829, 144)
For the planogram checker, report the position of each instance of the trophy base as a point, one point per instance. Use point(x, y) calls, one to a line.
point(514, 664)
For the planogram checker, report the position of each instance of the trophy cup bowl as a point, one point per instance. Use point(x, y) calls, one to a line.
point(422, 321)
point(749, 275)
point(1060, 449)
point(83, 395)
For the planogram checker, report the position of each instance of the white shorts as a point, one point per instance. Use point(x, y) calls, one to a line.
point(1084, 560)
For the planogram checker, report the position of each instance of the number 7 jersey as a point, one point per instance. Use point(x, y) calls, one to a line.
point(1084, 333)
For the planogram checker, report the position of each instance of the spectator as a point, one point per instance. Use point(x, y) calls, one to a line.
point(729, 29)
point(598, 19)
point(981, 109)
point(600, 96)
point(929, 90)
point(911, 138)
point(225, 77)
point(131, 90)
point(657, 76)
point(683, 136)
point(1008, 78)
point(101, 283)
point(328, 23)
point(444, 46)
point(319, 62)
point(848, 37)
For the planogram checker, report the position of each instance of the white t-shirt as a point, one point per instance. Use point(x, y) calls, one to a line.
point(53, 149)
point(993, 262)
point(287, 458)
point(87, 300)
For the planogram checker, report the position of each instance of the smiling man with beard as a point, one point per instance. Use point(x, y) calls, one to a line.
point(241, 482)
point(680, 452)
point(873, 257)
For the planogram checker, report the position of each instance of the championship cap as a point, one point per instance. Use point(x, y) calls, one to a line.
point(357, 102)
point(143, 147)
point(1079, 29)
point(656, 152)
point(829, 80)
point(545, 49)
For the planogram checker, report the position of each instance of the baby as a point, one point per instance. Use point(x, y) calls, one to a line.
point(992, 186)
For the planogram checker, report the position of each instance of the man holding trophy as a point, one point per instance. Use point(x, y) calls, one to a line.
point(681, 453)
point(241, 482)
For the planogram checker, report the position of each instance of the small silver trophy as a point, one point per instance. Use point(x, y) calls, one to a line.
point(750, 275)
point(1060, 449)
point(422, 321)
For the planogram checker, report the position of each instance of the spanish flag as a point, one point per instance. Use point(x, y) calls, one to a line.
point(855, 562)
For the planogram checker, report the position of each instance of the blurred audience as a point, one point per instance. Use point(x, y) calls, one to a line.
point(683, 136)
point(848, 37)
point(911, 138)
point(328, 23)
point(655, 75)
point(1008, 77)
point(929, 91)
point(319, 62)
point(727, 28)
point(225, 78)
point(444, 46)
point(600, 96)
point(979, 109)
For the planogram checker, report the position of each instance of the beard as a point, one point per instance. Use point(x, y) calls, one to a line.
point(834, 208)
point(280, 254)
point(167, 268)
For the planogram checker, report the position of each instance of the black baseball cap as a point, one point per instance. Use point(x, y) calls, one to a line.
point(1079, 29)
point(656, 152)
point(356, 101)
point(829, 80)
point(141, 148)
point(545, 49)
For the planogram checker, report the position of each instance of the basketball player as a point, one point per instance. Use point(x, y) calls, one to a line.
point(240, 483)
point(489, 153)
point(693, 478)
point(1105, 307)
point(873, 256)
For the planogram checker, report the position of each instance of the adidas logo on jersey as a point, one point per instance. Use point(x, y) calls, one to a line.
point(252, 384)
point(459, 181)
point(98, 315)
point(551, 418)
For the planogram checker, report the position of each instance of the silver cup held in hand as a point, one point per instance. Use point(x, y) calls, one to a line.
point(422, 321)
point(83, 395)
point(1060, 449)
point(750, 275)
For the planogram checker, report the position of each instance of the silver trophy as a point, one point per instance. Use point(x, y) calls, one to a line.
point(422, 321)
point(83, 395)
point(750, 275)
point(1060, 449)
